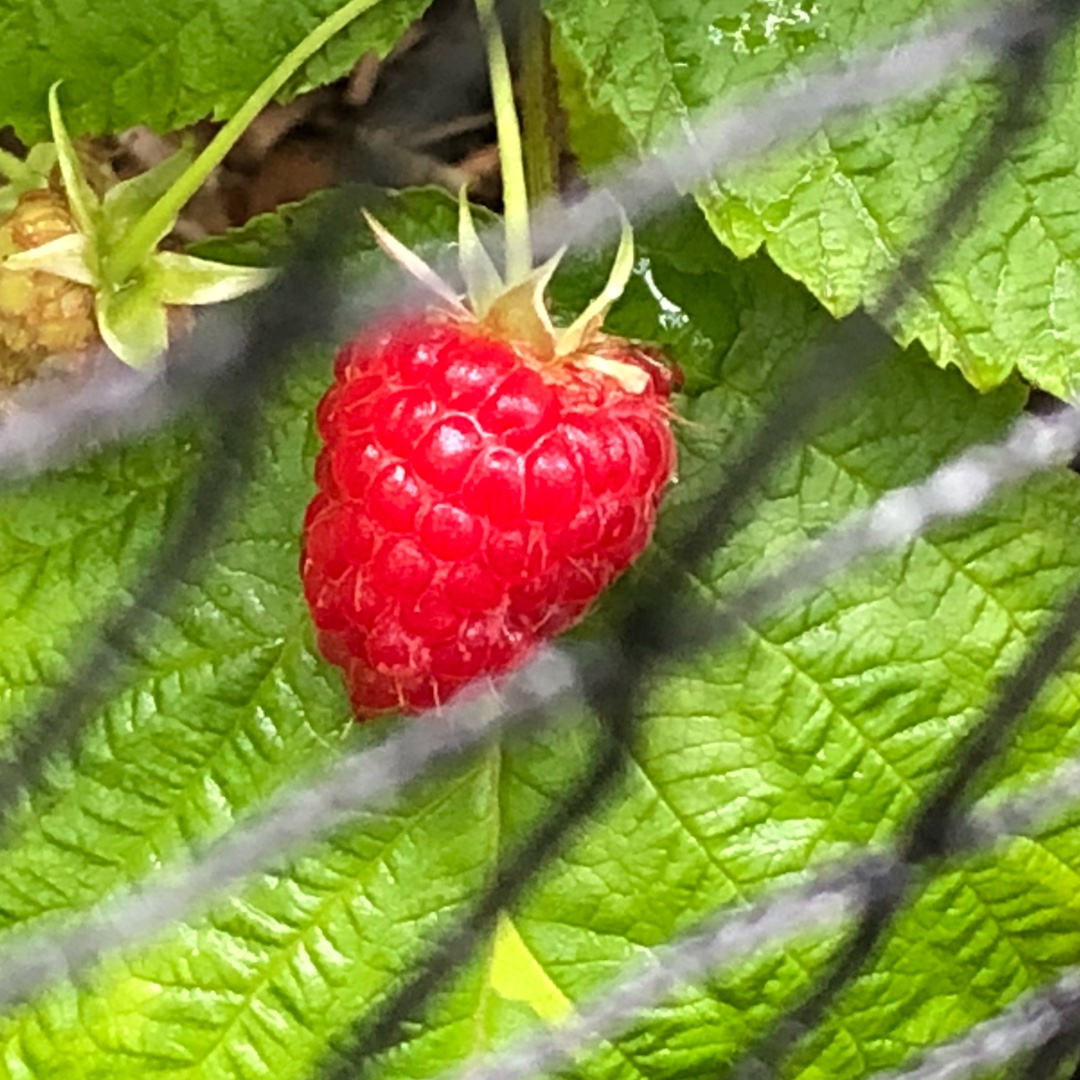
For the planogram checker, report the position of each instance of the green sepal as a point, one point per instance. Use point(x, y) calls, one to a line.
point(592, 318)
point(133, 323)
point(483, 282)
point(65, 257)
point(517, 312)
point(84, 203)
point(414, 265)
point(133, 320)
point(40, 161)
point(132, 199)
point(31, 173)
point(188, 280)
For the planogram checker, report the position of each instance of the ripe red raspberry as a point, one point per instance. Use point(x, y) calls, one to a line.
point(474, 498)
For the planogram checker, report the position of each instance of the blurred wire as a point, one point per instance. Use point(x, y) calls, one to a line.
point(1048, 1060)
point(241, 366)
point(1033, 1021)
point(956, 489)
point(930, 837)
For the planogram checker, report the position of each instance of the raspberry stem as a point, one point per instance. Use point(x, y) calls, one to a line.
point(131, 252)
point(519, 262)
point(536, 119)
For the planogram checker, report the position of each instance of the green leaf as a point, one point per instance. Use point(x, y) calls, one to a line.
point(810, 736)
point(837, 211)
point(226, 704)
point(519, 991)
point(520, 313)
point(168, 65)
point(815, 733)
point(134, 321)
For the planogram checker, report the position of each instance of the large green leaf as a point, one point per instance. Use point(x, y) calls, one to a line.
point(167, 65)
point(837, 211)
point(810, 736)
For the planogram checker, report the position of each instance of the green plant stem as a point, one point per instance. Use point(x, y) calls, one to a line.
point(515, 195)
point(535, 86)
point(142, 239)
